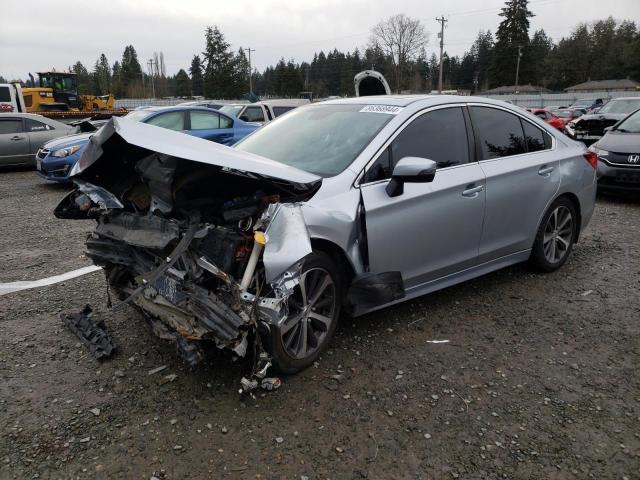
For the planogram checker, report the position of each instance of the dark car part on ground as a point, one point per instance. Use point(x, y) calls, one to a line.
point(91, 333)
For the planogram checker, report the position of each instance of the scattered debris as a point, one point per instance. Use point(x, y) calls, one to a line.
point(279, 439)
point(270, 383)
point(95, 411)
point(588, 292)
point(157, 370)
point(437, 341)
point(92, 334)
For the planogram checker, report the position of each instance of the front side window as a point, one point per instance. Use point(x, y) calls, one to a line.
point(253, 114)
point(169, 120)
point(631, 124)
point(500, 133)
point(204, 121)
point(12, 125)
point(35, 126)
point(277, 111)
point(321, 139)
point(440, 135)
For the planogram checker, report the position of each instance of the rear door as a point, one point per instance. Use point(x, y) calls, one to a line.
point(210, 125)
point(523, 175)
point(14, 142)
point(432, 229)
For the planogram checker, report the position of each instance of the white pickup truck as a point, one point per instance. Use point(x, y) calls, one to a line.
point(264, 111)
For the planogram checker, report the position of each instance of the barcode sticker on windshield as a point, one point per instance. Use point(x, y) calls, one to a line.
point(388, 109)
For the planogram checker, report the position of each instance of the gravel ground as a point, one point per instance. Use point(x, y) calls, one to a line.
point(538, 381)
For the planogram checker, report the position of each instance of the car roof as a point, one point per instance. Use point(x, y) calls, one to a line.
point(33, 116)
point(418, 101)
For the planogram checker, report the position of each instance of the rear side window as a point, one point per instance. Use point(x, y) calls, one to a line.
point(169, 120)
point(35, 126)
point(440, 135)
point(204, 121)
point(500, 133)
point(13, 125)
point(5, 95)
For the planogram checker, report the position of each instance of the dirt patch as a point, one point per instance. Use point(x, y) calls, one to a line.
point(538, 379)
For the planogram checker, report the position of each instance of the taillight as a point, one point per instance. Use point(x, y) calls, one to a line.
point(591, 158)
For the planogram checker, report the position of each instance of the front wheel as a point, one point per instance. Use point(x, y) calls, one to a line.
point(556, 235)
point(314, 308)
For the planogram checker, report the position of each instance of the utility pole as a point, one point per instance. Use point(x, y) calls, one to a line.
point(518, 67)
point(249, 50)
point(144, 92)
point(441, 21)
point(153, 87)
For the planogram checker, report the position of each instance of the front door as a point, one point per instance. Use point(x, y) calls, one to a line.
point(432, 229)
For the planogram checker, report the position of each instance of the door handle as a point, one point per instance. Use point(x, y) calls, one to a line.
point(16, 137)
point(545, 171)
point(473, 191)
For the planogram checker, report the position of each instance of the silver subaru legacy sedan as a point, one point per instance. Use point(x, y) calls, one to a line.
point(345, 206)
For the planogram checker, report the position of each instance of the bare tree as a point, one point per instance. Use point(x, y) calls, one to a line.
point(402, 39)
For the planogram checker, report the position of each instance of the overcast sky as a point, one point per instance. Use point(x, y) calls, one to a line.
point(55, 34)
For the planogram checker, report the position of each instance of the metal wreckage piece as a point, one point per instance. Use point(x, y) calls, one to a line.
point(92, 334)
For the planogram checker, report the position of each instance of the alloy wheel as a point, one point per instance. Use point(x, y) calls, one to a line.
point(312, 309)
point(558, 234)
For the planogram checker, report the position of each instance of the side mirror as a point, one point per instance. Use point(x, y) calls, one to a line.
point(412, 170)
point(607, 129)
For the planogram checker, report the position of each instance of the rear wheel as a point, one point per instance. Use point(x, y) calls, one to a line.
point(314, 309)
point(556, 235)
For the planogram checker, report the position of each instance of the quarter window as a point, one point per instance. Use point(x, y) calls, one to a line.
point(277, 111)
point(5, 94)
point(11, 126)
point(536, 139)
point(169, 120)
point(500, 133)
point(440, 135)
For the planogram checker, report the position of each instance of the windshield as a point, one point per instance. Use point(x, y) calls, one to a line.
point(583, 103)
point(137, 115)
point(232, 110)
point(322, 139)
point(621, 106)
point(631, 124)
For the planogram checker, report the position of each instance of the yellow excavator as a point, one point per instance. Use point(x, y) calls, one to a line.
point(57, 96)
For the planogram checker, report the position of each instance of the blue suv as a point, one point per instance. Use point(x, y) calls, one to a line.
point(55, 159)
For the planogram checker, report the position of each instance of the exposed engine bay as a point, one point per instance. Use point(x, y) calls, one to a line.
point(204, 251)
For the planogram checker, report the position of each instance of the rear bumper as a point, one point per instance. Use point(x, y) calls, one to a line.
point(621, 179)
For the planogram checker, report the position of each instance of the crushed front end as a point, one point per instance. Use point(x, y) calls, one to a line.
point(200, 238)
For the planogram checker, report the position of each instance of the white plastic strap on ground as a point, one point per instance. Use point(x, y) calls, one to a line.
point(25, 285)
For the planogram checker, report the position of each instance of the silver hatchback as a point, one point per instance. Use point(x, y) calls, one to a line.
point(351, 204)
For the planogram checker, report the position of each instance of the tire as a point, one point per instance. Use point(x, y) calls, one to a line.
point(290, 349)
point(556, 236)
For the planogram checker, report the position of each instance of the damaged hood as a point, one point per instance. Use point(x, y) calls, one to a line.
point(187, 147)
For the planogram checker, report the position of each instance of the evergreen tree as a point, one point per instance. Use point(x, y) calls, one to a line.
point(513, 32)
point(131, 72)
point(197, 80)
point(116, 80)
point(102, 76)
point(539, 49)
point(182, 84)
point(218, 65)
point(83, 78)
